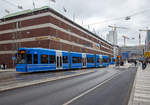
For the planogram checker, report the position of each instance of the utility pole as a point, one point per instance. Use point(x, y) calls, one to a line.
point(145, 30)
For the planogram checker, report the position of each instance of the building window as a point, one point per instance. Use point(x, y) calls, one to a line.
point(52, 59)
point(35, 59)
point(44, 59)
point(29, 58)
point(65, 59)
point(60, 23)
point(57, 35)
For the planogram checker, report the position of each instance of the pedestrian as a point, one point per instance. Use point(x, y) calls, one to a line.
point(143, 65)
point(4, 66)
point(135, 63)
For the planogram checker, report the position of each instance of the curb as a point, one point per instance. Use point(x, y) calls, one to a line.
point(21, 85)
point(130, 102)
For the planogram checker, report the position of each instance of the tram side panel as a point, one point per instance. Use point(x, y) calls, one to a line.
point(75, 60)
point(105, 60)
point(90, 60)
point(46, 61)
point(65, 60)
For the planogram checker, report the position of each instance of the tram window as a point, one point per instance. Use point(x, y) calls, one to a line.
point(44, 59)
point(29, 58)
point(74, 60)
point(52, 59)
point(79, 59)
point(90, 60)
point(98, 60)
point(65, 59)
point(105, 60)
point(35, 59)
point(21, 58)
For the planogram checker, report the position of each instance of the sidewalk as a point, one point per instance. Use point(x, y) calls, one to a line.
point(141, 88)
point(126, 65)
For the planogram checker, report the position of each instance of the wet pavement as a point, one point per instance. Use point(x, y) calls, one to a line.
point(13, 77)
point(113, 92)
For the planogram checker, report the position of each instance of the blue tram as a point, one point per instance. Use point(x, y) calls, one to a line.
point(41, 59)
point(112, 60)
point(105, 60)
point(75, 60)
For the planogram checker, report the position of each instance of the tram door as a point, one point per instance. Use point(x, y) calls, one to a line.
point(58, 60)
point(84, 60)
point(101, 61)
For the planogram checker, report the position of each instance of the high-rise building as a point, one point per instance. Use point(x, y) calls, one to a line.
point(147, 41)
point(112, 37)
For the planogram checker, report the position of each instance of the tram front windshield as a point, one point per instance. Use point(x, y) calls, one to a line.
point(21, 57)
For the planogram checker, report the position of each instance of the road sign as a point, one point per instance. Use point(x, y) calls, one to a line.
point(147, 54)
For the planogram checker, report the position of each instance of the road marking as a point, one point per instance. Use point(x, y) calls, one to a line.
point(86, 92)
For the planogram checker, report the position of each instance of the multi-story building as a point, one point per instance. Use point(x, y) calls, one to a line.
point(147, 41)
point(46, 28)
point(116, 50)
point(133, 52)
point(112, 37)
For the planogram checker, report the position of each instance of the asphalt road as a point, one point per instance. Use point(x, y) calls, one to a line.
point(110, 87)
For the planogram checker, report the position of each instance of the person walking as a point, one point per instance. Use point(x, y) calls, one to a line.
point(135, 63)
point(143, 65)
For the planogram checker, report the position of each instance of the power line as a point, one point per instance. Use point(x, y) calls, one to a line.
point(140, 12)
point(12, 4)
point(107, 20)
point(119, 18)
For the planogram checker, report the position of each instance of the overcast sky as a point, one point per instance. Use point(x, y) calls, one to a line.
point(91, 11)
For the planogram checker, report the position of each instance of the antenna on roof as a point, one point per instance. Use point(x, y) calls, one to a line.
point(13, 4)
point(33, 4)
point(54, 1)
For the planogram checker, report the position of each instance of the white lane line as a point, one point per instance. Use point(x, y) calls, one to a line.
point(86, 92)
